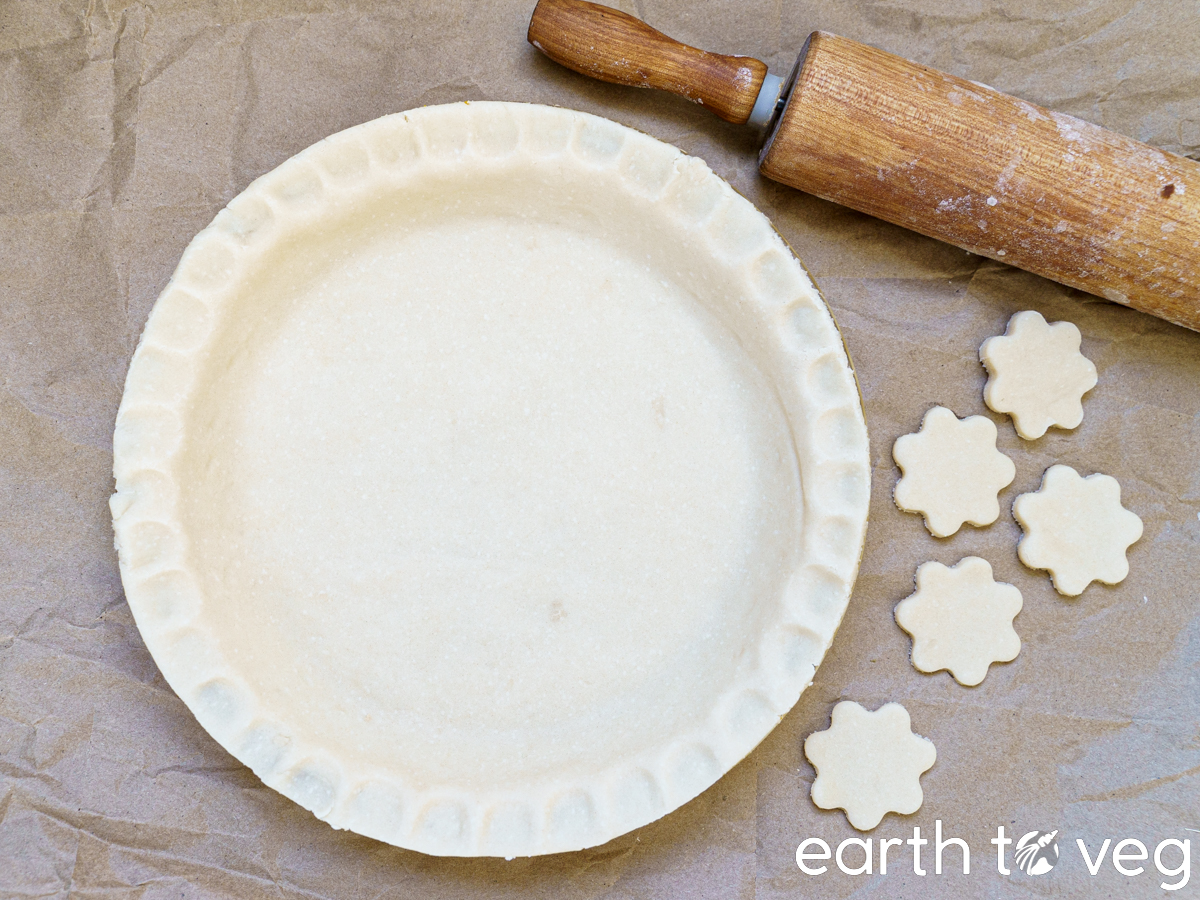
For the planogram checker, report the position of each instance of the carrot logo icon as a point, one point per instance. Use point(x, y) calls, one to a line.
point(1037, 852)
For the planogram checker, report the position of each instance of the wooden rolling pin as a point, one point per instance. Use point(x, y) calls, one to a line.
point(941, 155)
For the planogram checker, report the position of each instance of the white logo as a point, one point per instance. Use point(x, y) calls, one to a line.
point(1037, 852)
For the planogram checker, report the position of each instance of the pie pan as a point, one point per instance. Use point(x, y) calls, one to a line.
point(491, 479)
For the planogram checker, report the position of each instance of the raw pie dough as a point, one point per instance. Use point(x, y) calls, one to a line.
point(490, 479)
point(952, 471)
point(1077, 529)
point(960, 619)
point(1037, 374)
point(869, 763)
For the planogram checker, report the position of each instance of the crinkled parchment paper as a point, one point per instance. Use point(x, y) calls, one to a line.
point(125, 127)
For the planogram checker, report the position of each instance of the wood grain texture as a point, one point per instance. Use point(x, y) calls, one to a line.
point(609, 45)
point(994, 175)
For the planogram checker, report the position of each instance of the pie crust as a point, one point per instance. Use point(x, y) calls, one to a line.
point(491, 479)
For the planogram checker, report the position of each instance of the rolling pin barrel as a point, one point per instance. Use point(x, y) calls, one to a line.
point(992, 174)
point(944, 156)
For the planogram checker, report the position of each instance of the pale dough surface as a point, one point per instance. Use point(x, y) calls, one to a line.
point(869, 763)
point(952, 471)
point(491, 479)
point(960, 619)
point(537, 488)
point(1036, 374)
point(1077, 529)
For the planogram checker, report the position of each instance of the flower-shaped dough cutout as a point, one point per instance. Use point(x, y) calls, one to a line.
point(1077, 529)
point(960, 619)
point(1036, 374)
point(869, 763)
point(952, 471)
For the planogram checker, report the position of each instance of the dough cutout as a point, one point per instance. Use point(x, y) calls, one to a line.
point(952, 471)
point(960, 619)
point(1077, 529)
point(1036, 374)
point(869, 763)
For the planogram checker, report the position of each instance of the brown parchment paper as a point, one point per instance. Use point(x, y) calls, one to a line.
point(124, 127)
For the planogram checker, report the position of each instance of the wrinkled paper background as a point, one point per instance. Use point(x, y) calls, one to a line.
point(124, 127)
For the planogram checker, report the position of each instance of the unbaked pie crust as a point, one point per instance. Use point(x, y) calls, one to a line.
point(491, 479)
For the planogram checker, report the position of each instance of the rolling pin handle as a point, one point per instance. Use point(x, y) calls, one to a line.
point(611, 46)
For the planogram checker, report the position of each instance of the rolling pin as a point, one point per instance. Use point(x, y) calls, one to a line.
point(949, 158)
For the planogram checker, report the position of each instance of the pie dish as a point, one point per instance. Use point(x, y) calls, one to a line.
point(490, 479)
